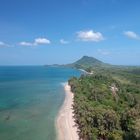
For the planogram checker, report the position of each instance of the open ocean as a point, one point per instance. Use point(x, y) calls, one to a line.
point(30, 98)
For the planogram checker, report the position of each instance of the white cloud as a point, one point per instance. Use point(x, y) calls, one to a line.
point(37, 41)
point(26, 43)
point(90, 36)
point(131, 34)
point(2, 44)
point(103, 52)
point(62, 41)
point(42, 41)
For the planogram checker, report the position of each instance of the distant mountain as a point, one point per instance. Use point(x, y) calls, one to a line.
point(87, 62)
point(92, 64)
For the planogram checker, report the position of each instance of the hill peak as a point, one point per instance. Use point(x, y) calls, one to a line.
point(88, 58)
point(86, 62)
point(91, 61)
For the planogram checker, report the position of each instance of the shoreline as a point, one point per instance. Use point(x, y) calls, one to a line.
point(89, 73)
point(65, 124)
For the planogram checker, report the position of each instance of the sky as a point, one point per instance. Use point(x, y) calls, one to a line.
point(38, 32)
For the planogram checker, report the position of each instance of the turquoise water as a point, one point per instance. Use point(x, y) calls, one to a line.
point(30, 98)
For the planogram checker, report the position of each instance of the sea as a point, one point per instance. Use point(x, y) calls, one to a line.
point(30, 98)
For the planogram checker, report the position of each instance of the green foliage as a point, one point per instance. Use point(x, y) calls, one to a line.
point(106, 103)
point(106, 108)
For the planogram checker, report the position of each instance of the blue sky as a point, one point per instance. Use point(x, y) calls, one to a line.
point(36, 32)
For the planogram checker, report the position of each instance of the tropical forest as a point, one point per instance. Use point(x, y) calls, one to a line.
point(106, 101)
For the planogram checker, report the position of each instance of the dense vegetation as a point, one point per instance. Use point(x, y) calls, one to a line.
point(107, 103)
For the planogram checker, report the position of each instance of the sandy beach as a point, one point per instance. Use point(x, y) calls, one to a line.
point(89, 73)
point(65, 124)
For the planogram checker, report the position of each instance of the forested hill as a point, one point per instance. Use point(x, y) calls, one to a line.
point(106, 103)
point(87, 62)
point(92, 64)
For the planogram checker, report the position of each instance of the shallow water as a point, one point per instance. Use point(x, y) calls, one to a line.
point(30, 98)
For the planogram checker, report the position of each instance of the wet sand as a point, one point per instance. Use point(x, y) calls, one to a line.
point(65, 124)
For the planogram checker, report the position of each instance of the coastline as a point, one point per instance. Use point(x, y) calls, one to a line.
point(65, 124)
point(89, 73)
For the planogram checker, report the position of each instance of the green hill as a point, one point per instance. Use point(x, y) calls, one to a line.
point(87, 62)
point(106, 102)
